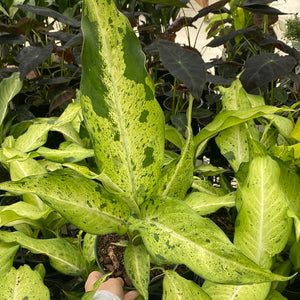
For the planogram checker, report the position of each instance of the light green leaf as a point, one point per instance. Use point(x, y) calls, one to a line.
point(35, 136)
point(23, 283)
point(236, 292)
point(7, 255)
point(82, 201)
point(117, 97)
point(284, 125)
point(209, 170)
point(233, 144)
point(63, 256)
point(19, 169)
point(22, 212)
point(262, 218)
point(174, 136)
point(68, 115)
point(204, 203)
point(206, 186)
point(137, 265)
point(86, 172)
point(67, 152)
point(177, 287)
point(229, 118)
point(177, 177)
point(69, 133)
point(9, 87)
point(173, 233)
point(88, 248)
point(295, 134)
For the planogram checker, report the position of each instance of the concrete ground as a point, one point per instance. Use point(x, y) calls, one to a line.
point(197, 37)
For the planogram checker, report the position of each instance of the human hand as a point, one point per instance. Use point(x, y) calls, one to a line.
point(113, 285)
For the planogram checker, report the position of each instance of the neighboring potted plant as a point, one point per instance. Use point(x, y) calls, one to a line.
point(160, 199)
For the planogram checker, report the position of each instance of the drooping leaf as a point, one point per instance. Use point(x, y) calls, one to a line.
point(81, 201)
point(230, 118)
point(177, 287)
point(204, 203)
point(31, 57)
point(47, 12)
point(63, 256)
point(22, 212)
point(137, 265)
point(263, 68)
point(117, 96)
point(238, 292)
point(23, 283)
point(67, 153)
point(9, 87)
point(170, 232)
point(174, 136)
point(260, 8)
point(262, 218)
point(7, 255)
point(183, 64)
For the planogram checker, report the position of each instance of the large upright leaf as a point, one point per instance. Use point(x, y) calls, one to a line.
point(63, 256)
point(262, 226)
point(23, 283)
point(173, 233)
point(117, 97)
point(9, 87)
point(82, 201)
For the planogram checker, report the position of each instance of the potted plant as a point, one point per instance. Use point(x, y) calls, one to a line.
point(160, 199)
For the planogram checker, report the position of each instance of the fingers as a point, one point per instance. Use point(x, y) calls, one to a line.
point(131, 295)
point(114, 285)
point(93, 277)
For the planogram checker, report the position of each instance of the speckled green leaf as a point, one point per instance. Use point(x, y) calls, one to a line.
point(204, 203)
point(67, 153)
point(117, 96)
point(177, 177)
point(137, 264)
point(81, 201)
point(229, 118)
point(233, 144)
point(173, 233)
point(63, 256)
point(177, 287)
point(9, 87)
point(237, 292)
point(7, 255)
point(22, 284)
point(262, 226)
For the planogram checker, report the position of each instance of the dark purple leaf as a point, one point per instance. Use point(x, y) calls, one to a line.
point(264, 68)
point(218, 41)
point(47, 12)
point(12, 39)
point(262, 9)
point(31, 57)
point(206, 10)
point(183, 64)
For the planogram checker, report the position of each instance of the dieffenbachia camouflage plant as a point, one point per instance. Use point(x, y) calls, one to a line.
point(143, 193)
